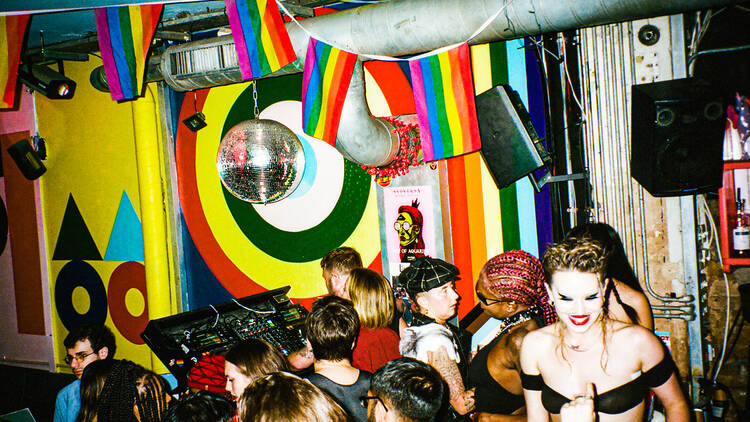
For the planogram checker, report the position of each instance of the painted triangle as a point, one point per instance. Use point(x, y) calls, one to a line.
point(126, 239)
point(74, 240)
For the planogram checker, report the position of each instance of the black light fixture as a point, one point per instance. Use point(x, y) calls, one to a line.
point(27, 159)
point(53, 85)
point(197, 121)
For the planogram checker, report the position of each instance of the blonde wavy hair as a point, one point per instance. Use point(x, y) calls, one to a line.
point(372, 297)
point(579, 254)
point(585, 255)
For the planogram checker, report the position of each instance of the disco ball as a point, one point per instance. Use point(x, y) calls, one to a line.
point(260, 161)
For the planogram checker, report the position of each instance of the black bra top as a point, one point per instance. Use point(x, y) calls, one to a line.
point(617, 400)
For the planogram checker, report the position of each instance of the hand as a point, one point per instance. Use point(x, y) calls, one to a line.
point(581, 408)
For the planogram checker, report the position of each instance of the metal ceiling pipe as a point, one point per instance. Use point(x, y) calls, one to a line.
point(403, 27)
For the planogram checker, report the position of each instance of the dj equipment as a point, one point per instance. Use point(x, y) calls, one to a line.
point(510, 146)
point(676, 137)
point(179, 341)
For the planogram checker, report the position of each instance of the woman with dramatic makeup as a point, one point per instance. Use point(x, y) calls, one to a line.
point(511, 289)
point(622, 361)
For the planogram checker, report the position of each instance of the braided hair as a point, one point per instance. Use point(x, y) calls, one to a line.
point(129, 386)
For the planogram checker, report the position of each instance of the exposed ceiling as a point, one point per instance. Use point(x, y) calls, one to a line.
point(75, 31)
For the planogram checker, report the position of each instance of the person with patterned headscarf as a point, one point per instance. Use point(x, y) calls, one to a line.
point(511, 289)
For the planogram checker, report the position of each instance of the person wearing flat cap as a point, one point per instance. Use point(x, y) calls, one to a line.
point(430, 283)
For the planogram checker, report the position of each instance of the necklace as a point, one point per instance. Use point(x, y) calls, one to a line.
point(577, 347)
point(507, 323)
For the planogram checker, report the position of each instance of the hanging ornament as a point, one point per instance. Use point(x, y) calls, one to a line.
point(260, 161)
point(408, 153)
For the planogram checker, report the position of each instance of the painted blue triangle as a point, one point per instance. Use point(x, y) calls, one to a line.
point(126, 238)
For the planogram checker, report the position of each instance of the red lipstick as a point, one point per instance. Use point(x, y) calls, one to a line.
point(578, 319)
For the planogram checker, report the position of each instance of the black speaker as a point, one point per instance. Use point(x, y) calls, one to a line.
point(510, 146)
point(677, 132)
point(27, 159)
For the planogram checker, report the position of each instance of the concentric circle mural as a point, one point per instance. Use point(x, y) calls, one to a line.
point(254, 247)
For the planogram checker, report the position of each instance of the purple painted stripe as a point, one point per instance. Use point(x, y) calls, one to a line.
point(542, 200)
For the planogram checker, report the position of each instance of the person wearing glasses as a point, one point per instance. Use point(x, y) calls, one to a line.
point(404, 390)
point(510, 288)
point(85, 344)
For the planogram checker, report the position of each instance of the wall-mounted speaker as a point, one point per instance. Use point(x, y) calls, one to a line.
point(27, 159)
point(510, 146)
point(677, 128)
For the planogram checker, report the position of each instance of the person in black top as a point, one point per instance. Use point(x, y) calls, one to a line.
point(332, 328)
point(511, 289)
point(622, 361)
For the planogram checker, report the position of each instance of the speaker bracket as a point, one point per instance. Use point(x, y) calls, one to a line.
point(549, 178)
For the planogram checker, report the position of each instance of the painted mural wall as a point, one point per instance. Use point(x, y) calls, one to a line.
point(233, 249)
point(91, 210)
point(26, 327)
point(92, 245)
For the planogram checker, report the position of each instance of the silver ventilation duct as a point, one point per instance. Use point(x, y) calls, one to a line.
point(402, 27)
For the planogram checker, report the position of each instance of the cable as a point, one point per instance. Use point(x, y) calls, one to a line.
point(216, 321)
point(707, 214)
point(253, 310)
point(396, 59)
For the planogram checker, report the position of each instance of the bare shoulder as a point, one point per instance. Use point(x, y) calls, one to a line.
point(538, 341)
point(630, 295)
point(635, 338)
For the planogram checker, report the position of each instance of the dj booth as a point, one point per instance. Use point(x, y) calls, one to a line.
point(179, 341)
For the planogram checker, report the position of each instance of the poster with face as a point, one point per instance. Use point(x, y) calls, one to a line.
point(409, 224)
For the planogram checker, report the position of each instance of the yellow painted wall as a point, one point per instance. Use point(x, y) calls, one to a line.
point(91, 149)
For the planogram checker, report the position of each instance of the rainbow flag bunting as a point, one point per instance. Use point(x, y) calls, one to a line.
point(12, 32)
point(125, 35)
point(260, 37)
point(325, 81)
point(444, 98)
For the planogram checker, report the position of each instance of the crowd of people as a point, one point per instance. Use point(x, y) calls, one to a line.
point(572, 342)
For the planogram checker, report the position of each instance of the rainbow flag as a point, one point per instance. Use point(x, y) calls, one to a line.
point(125, 35)
point(444, 98)
point(260, 37)
point(12, 32)
point(325, 81)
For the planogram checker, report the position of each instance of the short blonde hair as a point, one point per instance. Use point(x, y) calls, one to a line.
point(372, 297)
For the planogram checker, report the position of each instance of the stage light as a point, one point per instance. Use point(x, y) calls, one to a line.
point(195, 122)
point(51, 84)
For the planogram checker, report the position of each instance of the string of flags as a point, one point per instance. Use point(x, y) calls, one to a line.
point(442, 84)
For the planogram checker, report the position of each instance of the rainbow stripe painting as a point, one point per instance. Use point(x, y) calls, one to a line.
point(444, 98)
point(125, 35)
point(328, 71)
point(12, 31)
point(260, 37)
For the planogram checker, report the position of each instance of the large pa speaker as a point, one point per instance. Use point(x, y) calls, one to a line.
point(676, 137)
point(510, 146)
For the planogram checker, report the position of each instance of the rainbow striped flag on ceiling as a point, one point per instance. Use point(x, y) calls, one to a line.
point(444, 98)
point(260, 37)
point(12, 32)
point(328, 71)
point(125, 35)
